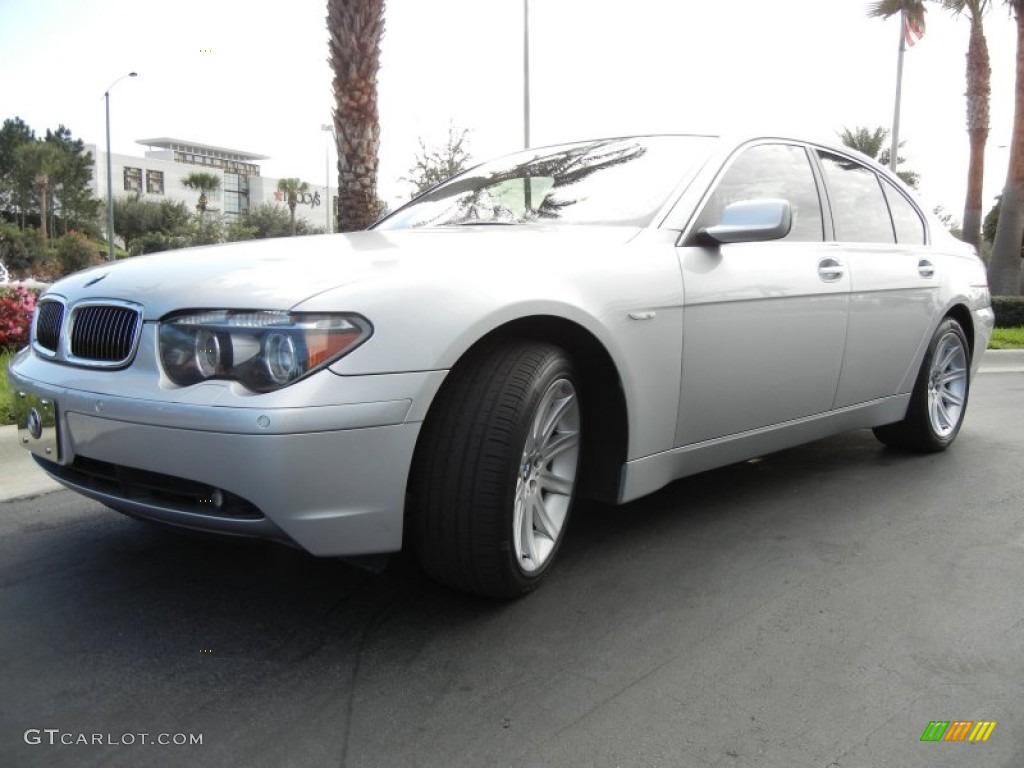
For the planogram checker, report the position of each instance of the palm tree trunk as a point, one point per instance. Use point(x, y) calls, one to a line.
point(979, 74)
point(1004, 269)
point(975, 181)
point(44, 213)
point(355, 28)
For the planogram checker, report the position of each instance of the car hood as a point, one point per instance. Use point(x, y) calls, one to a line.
point(283, 272)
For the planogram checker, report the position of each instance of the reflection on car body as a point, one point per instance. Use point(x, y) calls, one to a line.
point(592, 320)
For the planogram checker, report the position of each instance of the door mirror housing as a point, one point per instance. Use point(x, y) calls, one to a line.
point(751, 221)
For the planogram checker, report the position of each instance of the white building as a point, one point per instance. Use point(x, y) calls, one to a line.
point(158, 175)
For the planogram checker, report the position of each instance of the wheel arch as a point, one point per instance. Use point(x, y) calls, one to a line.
point(962, 315)
point(603, 399)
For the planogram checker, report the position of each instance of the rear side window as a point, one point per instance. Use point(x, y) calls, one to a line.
point(907, 221)
point(859, 211)
point(770, 171)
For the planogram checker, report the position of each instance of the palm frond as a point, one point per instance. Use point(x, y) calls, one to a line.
point(885, 8)
point(975, 9)
point(914, 9)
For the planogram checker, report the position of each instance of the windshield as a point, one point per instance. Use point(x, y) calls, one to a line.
point(614, 181)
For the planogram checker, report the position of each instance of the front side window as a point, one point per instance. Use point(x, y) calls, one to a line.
point(770, 171)
point(616, 181)
point(859, 211)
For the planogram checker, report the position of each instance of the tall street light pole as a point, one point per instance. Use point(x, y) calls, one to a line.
point(327, 170)
point(526, 74)
point(110, 170)
point(894, 151)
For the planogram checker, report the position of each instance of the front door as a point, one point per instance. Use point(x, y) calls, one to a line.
point(764, 323)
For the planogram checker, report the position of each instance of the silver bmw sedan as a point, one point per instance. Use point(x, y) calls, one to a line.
point(589, 320)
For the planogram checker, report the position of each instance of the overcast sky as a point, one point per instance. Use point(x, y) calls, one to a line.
point(253, 75)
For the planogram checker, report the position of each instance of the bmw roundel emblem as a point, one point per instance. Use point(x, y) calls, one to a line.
point(34, 423)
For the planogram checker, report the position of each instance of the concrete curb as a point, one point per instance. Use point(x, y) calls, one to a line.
point(1002, 361)
point(20, 477)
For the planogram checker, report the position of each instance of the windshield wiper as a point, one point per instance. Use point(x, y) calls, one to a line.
point(489, 223)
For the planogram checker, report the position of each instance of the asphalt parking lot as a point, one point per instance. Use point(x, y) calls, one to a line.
point(819, 607)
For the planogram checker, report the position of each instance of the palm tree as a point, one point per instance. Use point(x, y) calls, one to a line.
point(872, 143)
point(41, 162)
point(292, 188)
point(1004, 270)
point(205, 183)
point(979, 75)
point(355, 28)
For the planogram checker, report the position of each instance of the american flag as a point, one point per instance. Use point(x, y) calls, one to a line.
point(913, 30)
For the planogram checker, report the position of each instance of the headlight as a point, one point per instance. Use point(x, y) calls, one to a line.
point(263, 350)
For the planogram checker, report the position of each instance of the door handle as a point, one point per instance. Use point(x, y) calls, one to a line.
point(830, 270)
point(925, 269)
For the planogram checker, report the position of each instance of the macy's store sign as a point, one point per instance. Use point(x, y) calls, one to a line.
point(312, 199)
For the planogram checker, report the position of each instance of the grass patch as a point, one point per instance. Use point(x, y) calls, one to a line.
point(1007, 338)
point(6, 395)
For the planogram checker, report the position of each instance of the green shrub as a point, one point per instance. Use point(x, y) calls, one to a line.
point(76, 252)
point(13, 252)
point(1009, 311)
point(155, 242)
point(23, 251)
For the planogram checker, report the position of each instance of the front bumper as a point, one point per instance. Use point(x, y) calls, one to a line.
point(328, 478)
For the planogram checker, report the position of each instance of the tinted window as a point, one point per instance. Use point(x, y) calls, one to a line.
point(770, 171)
point(859, 211)
point(905, 218)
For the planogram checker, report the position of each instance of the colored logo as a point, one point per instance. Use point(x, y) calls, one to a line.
point(958, 730)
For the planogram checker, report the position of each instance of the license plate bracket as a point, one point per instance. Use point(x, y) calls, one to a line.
point(37, 424)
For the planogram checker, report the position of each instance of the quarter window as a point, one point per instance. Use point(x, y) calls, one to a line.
point(770, 171)
point(905, 218)
point(859, 210)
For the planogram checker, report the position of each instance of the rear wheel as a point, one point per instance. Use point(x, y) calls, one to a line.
point(495, 470)
point(939, 399)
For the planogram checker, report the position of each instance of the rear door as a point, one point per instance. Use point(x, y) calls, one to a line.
point(894, 278)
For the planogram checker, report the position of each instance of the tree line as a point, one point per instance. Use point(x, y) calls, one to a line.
point(50, 220)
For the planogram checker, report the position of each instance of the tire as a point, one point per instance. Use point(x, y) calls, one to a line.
point(939, 399)
point(495, 469)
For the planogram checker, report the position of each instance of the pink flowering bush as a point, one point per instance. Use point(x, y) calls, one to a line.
point(16, 308)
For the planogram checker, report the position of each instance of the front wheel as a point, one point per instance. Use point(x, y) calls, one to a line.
point(939, 399)
point(495, 470)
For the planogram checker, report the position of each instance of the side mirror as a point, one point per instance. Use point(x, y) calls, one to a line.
point(751, 221)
